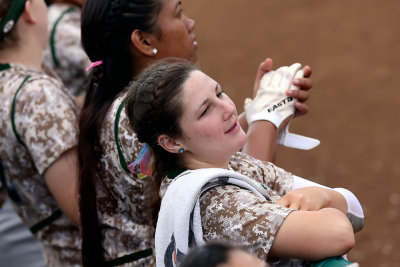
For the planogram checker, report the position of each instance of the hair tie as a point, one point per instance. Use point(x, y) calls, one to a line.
point(143, 165)
point(94, 64)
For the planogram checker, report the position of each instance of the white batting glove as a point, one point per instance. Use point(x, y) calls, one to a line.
point(272, 104)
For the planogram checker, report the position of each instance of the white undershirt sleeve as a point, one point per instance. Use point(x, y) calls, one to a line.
point(354, 210)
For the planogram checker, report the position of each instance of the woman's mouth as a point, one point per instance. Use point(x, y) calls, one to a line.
point(195, 44)
point(233, 128)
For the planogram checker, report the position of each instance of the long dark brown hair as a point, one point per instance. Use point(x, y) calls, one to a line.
point(106, 29)
point(154, 107)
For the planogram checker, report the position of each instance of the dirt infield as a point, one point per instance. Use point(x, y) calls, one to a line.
point(353, 48)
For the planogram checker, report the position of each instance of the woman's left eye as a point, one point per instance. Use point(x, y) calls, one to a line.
point(219, 95)
point(180, 13)
point(204, 112)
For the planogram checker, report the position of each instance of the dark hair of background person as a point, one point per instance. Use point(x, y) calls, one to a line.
point(154, 107)
point(106, 29)
point(209, 255)
point(71, 2)
point(11, 37)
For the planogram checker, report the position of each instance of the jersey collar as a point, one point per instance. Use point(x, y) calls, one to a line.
point(5, 66)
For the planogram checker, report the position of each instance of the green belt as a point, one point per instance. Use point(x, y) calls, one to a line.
point(43, 223)
point(130, 257)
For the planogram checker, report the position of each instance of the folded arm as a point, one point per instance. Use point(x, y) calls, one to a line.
point(339, 198)
point(313, 235)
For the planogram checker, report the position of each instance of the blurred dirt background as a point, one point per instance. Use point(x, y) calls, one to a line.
point(353, 48)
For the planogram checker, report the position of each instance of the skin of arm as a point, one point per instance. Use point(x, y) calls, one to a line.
point(62, 180)
point(318, 228)
point(313, 198)
point(310, 200)
point(265, 133)
point(314, 235)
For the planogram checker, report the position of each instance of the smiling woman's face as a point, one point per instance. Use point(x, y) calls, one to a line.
point(210, 124)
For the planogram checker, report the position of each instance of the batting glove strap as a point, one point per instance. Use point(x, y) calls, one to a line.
point(288, 139)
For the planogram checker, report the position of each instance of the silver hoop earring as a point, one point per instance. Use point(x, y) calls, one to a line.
point(180, 151)
point(155, 51)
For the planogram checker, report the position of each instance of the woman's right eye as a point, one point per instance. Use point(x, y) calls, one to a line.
point(204, 112)
point(180, 13)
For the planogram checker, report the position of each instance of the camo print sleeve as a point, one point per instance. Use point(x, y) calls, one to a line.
point(48, 125)
point(237, 216)
point(263, 172)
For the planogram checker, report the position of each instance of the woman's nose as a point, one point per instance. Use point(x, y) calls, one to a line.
point(190, 24)
point(229, 110)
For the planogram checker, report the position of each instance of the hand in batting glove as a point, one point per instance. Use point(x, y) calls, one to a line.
point(272, 104)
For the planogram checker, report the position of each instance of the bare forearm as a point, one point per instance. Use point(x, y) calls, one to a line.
point(354, 208)
point(261, 141)
point(314, 235)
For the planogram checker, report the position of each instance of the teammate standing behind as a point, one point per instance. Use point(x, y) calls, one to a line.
point(38, 136)
point(64, 53)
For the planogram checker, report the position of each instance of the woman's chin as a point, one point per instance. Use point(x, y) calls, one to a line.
point(241, 140)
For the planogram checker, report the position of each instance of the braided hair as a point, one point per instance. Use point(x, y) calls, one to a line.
point(154, 107)
point(106, 28)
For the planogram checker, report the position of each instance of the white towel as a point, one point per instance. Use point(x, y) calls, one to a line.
point(179, 220)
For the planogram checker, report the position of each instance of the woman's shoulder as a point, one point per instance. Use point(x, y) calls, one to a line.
point(35, 76)
point(117, 136)
point(263, 172)
point(65, 11)
point(36, 84)
point(242, 162)
point(194, 179)
point(117, 122)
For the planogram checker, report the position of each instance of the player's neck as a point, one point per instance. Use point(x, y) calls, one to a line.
point(31, 57)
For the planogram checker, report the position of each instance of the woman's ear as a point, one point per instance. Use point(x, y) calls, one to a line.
point(143, 42)
point(169, 144)
point(27, 14)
